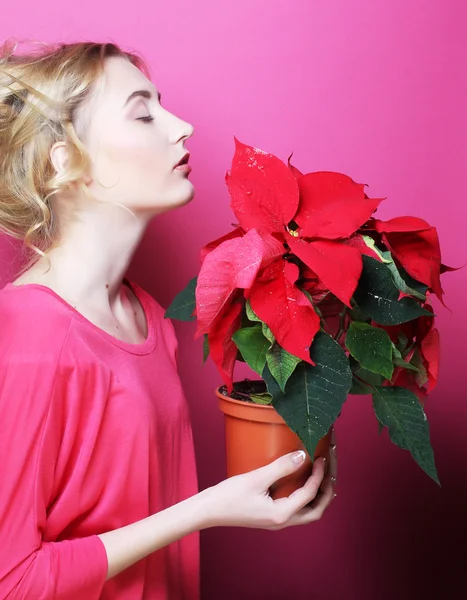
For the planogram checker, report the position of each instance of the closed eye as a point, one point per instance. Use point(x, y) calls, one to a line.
point(146, 119)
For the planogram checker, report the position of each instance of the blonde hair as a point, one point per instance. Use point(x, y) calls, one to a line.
point(40, 94)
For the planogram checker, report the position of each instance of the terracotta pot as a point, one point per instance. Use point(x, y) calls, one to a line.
point(255, 435)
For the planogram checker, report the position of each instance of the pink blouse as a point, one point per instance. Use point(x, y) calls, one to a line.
point(94, 434)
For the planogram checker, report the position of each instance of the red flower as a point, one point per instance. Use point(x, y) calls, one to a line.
point(332, 206)
point(233, 265)
point(237, 232)
point(285, 309)
point(222, 348)
point(415, 245)
point(264, 192)
point(301, 232)
point(327, 207)
point(228, 268)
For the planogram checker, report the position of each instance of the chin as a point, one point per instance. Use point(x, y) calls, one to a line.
point(175, 201)
point(184, 198)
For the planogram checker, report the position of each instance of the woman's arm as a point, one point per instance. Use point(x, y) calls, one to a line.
point(241, 501)
point(35, 405)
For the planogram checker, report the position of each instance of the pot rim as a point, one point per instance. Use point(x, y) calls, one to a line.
point(242, 402)
point(248, 411)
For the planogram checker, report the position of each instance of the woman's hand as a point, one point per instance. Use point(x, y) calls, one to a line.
point(244, 500)
point(241, 501)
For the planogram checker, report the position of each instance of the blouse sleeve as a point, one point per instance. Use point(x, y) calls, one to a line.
point(41, 409)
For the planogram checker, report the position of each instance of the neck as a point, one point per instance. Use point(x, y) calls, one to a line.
point(93, 256)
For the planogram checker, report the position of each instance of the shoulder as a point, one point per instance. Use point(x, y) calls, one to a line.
point(33, 323)
point(146, 299)
point(40, 359)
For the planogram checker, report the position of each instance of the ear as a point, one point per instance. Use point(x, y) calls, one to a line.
point(59, 157)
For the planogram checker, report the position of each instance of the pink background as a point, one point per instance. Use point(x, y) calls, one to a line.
point(375, 89)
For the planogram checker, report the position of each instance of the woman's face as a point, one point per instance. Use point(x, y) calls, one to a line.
point(135, 144)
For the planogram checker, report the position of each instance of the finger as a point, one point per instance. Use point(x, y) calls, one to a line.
point(315, 510)
point(332, 467)
point(281, 467)
point(304, 495)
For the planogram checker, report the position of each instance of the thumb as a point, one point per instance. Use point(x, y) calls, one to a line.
point(281, 467)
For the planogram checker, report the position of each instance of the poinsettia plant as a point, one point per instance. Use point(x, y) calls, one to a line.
point(321, 299)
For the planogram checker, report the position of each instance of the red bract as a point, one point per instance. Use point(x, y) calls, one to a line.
point(402, 377)
point(399, 224)
point(285, 309)
point(221, 346)
point(426, 337)
point(264, 193)
point(304, 230)
point(232, 265)
point(430, 352)
point(235, 233)
point(294, 170)
point(415, 245)
point(332, 206)
point(356, 241)
point(338, 266)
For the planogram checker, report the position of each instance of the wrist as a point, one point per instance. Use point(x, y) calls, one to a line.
point(195, 513)
point(206, 509)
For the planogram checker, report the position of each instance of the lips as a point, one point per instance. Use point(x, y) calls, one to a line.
point(183, 161)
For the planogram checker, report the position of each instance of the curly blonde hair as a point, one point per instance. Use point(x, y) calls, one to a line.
point(40, 94)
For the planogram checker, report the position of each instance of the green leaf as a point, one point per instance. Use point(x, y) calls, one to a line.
point(403, 281)
point(252, 316)
point(400, 362)
point(412, 283)
point(205, 348)
point(281, 364)
point(377, 296)
point(380, 427)
point(372, 347)
point(357, 315)
point(363, 380)
point(315, 394)
point(183, 304)
point(417, 361)
point(310, 298)
point(253, 346)
point(250, 313)
point(265, 398)
point(401, 412)
point(268, 334)
point(366, 376)
point(370, 242)
point(369, 377)
point(359, 388)
point(402, 341)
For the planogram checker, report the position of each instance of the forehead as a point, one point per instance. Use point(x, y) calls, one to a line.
point(119, 79)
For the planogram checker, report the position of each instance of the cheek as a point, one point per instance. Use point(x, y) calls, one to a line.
point(130, 155)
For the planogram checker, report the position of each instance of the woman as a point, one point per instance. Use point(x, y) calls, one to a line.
point(98, 495)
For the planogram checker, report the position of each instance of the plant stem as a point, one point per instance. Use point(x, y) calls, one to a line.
point(341, 323)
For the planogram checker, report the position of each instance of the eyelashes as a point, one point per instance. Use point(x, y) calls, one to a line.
point(146, 119)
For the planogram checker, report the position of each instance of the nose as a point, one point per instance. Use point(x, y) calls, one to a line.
point(183, 129)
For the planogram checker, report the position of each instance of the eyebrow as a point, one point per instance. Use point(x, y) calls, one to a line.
point(141, 94)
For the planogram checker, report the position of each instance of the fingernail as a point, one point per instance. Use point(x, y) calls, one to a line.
point(298, 457)
point(334, 495)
